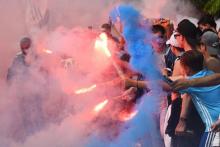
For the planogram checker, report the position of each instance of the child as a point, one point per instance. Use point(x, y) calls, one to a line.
point(205, 99)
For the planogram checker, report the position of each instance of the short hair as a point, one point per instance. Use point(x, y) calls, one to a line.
point(26, 41)
point(189, 31)
point(192, 59)
point(158, 28)
point(207, 19)
point(106, 26)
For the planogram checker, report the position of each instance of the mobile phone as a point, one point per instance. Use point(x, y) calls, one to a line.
point(167, 80)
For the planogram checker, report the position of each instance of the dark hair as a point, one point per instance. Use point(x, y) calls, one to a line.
point(193, 43)
point(106, 26)
point(192, 59)
point(189, 31)
point(158, 28)
point(207, 19)
point(199, 32)
point(25, 43)
point(179, 49)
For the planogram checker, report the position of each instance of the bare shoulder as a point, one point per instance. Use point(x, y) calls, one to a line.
point(213, 64)
point(177, 68)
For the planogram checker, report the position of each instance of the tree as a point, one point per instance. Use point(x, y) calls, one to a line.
point(208, 6)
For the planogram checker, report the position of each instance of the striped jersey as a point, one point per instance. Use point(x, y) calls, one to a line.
point(206, 100)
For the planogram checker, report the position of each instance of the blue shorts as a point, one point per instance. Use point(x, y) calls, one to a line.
point(207, 139)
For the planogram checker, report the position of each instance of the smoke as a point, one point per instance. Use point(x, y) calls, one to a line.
point(169, 9)
point(42, 94)
point(142, 130)
point(69, 14)
point(71, 132)
point(138, 35)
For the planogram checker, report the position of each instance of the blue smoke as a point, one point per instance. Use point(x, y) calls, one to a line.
point(137, 35)
point(143, 129)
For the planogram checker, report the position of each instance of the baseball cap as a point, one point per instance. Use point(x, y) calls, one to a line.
point(211, 40)
point(172, 41)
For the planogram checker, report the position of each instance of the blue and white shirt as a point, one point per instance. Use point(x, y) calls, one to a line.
point(206, 100)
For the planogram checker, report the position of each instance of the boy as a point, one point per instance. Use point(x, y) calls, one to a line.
point(205, 99)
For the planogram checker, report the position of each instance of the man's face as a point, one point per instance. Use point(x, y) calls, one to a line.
point(25, 45)
point(179, 39)
point(158, 42)
point(173, 49)
point(202, 48)
point(25, 51)
point(203, 27)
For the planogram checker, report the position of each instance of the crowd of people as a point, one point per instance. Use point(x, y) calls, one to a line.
point(190, 57)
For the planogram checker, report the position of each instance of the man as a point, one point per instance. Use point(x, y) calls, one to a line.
point(175, 101)
point(173, 111)
point(206, 99)
point(159, 38)
point(210, 48)
point(165, 56)
point(19, 64)
point(207, 22)
point(211, 80)
point(165, 61)
point(186, 36)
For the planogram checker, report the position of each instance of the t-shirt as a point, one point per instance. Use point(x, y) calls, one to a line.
point(18, 66)
point(169, 58)
point(206, 100)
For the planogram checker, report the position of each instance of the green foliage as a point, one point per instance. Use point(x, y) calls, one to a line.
point(208, 6)
point(212, 7)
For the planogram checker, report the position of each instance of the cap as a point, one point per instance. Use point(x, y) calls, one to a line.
point(172, 41)
point(211, 40)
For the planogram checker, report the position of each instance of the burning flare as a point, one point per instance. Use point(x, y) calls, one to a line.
point(100, 106)
point(125, 116)
point(102, 44)
point(85, 90)
point(47, 51)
